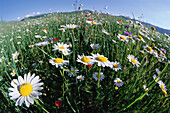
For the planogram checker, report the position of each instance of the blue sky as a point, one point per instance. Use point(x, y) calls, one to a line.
point(156, 12)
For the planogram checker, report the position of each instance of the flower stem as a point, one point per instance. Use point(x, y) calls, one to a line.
point(36, 101)
point(98, 85)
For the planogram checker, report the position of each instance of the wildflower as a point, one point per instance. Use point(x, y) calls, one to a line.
point(164, 92)
point(87, 60)
point(67, 52)
point(101, 60)
point(93, 22)
point(73, 72)
point(116, 88)
point(37, 36)
point(15, 55)
point(60, 47)
point(45, 30)
point(40, 62)
point(58, 103)
point(148, 49)
point(133, 60)
point(115, 65)
point(80, 78)
point(25, 89)
point(146, 89)
point(42, 43)
point(71, 26)
point(105, 32)
point(163, 50)
point(95, 46)
point(139, 38)
point(157, 71)
point(18, 36)
point(162, 85)
point(118, 82)
point(155, 78)
point(58, 62)
point(127, 33)
point(55, 39)
point(34, 64)
point(153, 28)
point(97, 76)
point(13, 73)
point(122, 37)
point(130, 39)
point(114, 41)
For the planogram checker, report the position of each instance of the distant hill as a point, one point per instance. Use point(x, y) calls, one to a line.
point(161, 30)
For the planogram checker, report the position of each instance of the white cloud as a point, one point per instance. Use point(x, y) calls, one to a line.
point(38, 13)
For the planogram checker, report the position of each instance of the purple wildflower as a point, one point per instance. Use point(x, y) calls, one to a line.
point(163, 50)
point(127, 33)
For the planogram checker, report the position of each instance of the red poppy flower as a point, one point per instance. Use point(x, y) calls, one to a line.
point(58, 103)
point(90, 19)
point(88, 65)
point(45, 28)
point(120, 20)
point(55, 39)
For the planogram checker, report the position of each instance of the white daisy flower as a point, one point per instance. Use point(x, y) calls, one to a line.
point(148, 49)
point(42, 43)
point(122, 37)
point(101, 60)
point(114, 41)
point(40, 62)
point(62, 29)
point(146, 89)
point(74, 72)
point(37, 36)
point(18, 36)
point(87, 60)
point(118, 82)
point(157, 71)
point(15, 55)
point(139, 38)
point(13, 73)
point(58, 62)
point(115, 65)
point(80, 78)
point(162, 85)
point(92, 22)
point(130, 39)
point(60, 47)
point(95, 46)
point(155, 78)
point(96, 76)
point(25, 89)
point(71, 26)
point(133, 60)
point(105, 32)
point(163, 55)
point(67, 52)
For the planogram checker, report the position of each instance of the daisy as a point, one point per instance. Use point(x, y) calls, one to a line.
point(62, 29)
point(115, 66)
point(95, 46)
point(146, 89)
point(67, 52)
point(101, 60)
point(15, 55)
point(71, 26)
point(13, 73)
point(87, 60)
point(155, 78)
point(58, 62)
point(60, 47)
point(157, 71)
point(148, 49)
point(73, 72)
point(164, 92)
point(96, 76)
point(92, 22)
point(18, 36)
point(105, 32)
point(130, 39)
point(133, 60)
point(118, 82)
point(45, 30)
point(162, 85)
point(40, 62)
point(80, 78)
point(42, 43)
point(37, 36)
point(163, 55)
point(139, 38)
point(122, 37)
point(25, 89)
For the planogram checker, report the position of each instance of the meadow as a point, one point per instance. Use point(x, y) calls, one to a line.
point(84, 62)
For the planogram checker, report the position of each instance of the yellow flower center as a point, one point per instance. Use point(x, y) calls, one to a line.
point(118, 81)
point(149, 48)
point(72, 27)
point(73, 71)
point(156, 80)
point(162, 86)
point(9, 63)
point(153, 44)
point(62, 47)
point(80, 78)
point(93, 22)
point(122, 37)
point(15, 56)
point(115, 66)
point(129, 38)
point(13, 73)
point(153, 28)
point(94, 47)
point(163, 54)
point(98, 76)
point(156, 51)
point(102, 59)
point(116, 88)
point(104, 30)
point(85, 59)
point(142, 51)
point(139, 37)
point(25, 89)
point(146, 89)
point(134, 61)
point(164, 92)
point(58, 60)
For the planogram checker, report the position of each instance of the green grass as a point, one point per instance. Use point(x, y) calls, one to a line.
point(88, 95)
